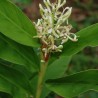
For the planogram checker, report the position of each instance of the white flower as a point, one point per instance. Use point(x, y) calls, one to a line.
point(50, 28)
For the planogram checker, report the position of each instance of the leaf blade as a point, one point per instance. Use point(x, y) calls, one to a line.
point(15, 77)
point(18, 54)
point(11, 89)
point(87, 37)
point(16, 25)
point(75, 84)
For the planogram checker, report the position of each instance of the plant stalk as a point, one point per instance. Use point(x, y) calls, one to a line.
point(41, 76)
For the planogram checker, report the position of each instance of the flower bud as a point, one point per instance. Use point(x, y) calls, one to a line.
point(60, 47)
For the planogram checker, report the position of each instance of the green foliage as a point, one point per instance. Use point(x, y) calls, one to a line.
point(11, 89)
point(86, 38)
point(20, 65)
point(18, 54)
point(75, 84)
point(15, 77)
point(15, 25)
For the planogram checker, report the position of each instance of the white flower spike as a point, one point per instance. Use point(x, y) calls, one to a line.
point(51, 31)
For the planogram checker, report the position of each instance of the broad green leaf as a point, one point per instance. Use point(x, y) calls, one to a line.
point(15, 77)
point(57, 68)
point(75, 84)
point(11, 89)
point(87, 37)
point(18, 54)
point(15, 25)
point(20, 68)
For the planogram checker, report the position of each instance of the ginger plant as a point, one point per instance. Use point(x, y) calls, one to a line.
point(34, 58)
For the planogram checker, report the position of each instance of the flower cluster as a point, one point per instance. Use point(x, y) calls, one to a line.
point(51, 31)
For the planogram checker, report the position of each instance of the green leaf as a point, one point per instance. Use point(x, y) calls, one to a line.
point(87, 37)
point(57, 68)
point(15, 77)
point(15, 25)
point(11, 89)
point(18, 54)
point(20, 68)
point(74, 85)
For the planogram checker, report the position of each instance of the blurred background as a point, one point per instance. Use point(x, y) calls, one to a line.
point(85, 13)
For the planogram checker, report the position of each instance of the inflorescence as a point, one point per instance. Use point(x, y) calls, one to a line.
point(51, 29)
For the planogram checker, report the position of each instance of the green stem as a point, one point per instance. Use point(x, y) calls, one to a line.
point(42, 72)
